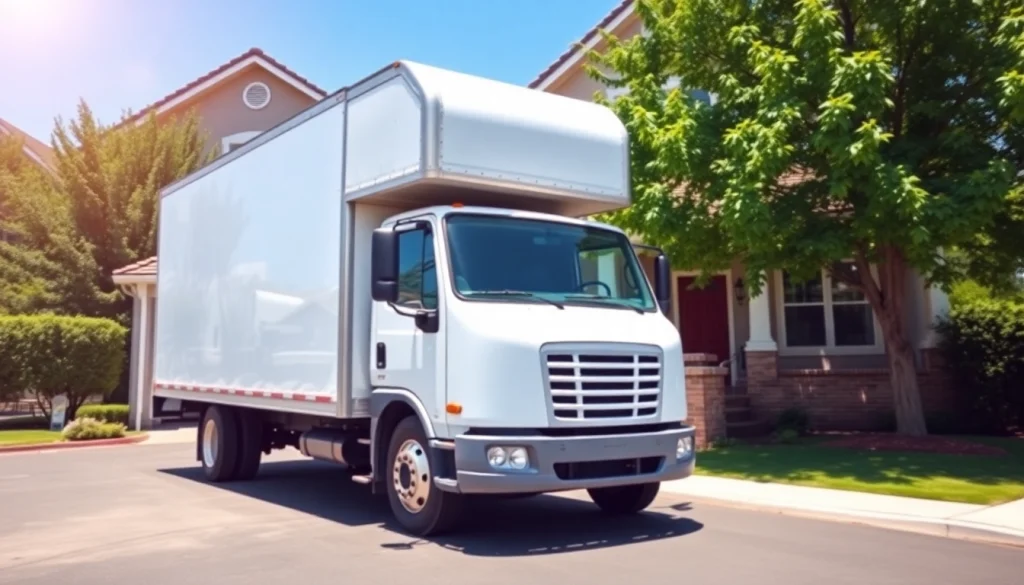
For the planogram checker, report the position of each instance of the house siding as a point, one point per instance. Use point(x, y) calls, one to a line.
point(223, 113)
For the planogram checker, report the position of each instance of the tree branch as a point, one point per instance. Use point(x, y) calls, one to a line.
point(867, 281)
point(849, 24)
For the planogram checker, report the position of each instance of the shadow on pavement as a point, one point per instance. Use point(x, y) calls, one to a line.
point(493, 527)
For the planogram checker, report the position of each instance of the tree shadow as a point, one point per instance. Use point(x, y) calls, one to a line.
point(492, 527)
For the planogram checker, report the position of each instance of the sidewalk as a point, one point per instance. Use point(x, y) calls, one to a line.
point(1001, 524)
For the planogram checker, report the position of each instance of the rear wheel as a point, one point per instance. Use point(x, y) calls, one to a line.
point(418, 505)
point(219, 443)
point(626, 499)
point(250, 435)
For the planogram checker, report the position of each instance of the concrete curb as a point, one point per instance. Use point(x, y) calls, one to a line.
point(73, 444)
point(943, 527)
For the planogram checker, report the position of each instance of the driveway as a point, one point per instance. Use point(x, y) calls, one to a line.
point(143, 514)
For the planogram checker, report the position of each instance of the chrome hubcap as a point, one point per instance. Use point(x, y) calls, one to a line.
point(210, 443)
point(411, 476)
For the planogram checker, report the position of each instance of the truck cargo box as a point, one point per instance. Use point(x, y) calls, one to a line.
point(263, 288)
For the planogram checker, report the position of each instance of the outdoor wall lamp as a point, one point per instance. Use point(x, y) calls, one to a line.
point(741, 291)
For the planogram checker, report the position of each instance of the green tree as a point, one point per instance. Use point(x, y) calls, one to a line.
point(96, 213)
point(886, 132)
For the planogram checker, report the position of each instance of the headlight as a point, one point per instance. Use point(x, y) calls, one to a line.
point(517, 458)
point(684, 447)
point(496, 456)
point(508, 457)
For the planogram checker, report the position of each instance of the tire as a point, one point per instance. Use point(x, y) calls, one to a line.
point(219, 443)
point(250, 437)
point(419, 506)
point(626, 499)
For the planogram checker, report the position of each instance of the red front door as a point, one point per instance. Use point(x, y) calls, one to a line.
point(704, 317)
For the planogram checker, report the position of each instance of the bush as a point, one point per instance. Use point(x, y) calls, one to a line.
point(786, 436)
point(110, 413)
point(983, 347)
point(794, 419)
point(88, 429)
point(50, 355)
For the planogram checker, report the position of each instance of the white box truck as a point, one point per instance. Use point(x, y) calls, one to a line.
point(398, 280)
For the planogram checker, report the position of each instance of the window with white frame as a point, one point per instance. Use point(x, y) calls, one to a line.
point(825, 313)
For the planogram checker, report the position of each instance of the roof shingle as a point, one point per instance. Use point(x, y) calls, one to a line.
point(33, 147)
point(145, 267)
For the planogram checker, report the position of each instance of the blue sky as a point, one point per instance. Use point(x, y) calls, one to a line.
point(125, 54)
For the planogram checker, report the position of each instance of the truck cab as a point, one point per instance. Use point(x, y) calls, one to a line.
point(533, 349)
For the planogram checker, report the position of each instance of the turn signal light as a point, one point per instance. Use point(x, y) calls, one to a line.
point(453, 408)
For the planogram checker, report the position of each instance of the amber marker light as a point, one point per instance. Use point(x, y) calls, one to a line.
point(453, 408)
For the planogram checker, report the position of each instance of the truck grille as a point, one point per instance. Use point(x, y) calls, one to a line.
point(602, 384)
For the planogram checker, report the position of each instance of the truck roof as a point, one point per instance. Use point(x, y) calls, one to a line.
point(414, 134)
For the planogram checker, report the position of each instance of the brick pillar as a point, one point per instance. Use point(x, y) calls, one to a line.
point(705, 402)
point(762, 378)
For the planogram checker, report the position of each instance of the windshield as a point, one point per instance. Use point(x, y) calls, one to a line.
point(525, 260)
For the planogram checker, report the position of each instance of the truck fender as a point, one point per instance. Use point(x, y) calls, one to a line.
point(380, 399)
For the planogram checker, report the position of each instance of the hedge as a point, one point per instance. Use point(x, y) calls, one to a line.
point(50, 355)
point(983, 346)
point(88, 429)
point(110, 413)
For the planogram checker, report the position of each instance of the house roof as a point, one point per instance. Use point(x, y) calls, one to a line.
point(253, 56)
point(34, 149)
point(141, 271)
point(566, 60)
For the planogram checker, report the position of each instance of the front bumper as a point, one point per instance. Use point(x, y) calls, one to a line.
point(567, 463)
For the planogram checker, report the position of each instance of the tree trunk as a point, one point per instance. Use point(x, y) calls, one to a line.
point(886, 299)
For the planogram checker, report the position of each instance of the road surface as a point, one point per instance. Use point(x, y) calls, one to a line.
point(142, 514)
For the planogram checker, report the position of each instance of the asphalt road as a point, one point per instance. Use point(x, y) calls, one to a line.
point(142, 514)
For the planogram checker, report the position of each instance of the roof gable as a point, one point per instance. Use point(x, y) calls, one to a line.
point(570, 58)
point(34, 149)
point(211, 79)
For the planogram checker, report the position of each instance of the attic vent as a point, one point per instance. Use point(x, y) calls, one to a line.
point(256, 95)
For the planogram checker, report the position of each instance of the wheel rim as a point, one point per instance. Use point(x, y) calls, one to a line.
point(211, 443)
point(411, 478)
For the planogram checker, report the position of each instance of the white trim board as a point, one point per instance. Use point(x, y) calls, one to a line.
point(730, 301)
point(579, 54)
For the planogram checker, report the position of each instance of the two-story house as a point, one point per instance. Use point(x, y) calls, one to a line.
point(813, 344)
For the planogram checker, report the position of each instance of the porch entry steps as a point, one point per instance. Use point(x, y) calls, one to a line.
point(740, 421)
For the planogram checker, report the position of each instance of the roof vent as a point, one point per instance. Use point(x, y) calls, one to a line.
point(256, 95)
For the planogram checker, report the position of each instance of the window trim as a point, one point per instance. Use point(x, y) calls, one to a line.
point(239, 138)
point(830, 348)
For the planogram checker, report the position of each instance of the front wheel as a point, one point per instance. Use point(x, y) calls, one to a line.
point(626, 499)
point(417, 504)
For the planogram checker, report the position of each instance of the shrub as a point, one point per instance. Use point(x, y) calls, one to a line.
point(794, 419)
point(110, 413)
point(50, 355)
point(786, 436)
point(983, 347)
point(88, 429)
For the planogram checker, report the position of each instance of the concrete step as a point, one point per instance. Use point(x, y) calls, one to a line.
point(738, 414)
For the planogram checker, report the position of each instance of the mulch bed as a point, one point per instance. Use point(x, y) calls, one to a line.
point(929, 444)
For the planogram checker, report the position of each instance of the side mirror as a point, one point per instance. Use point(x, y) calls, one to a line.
point(384, 265)
point(663, 282)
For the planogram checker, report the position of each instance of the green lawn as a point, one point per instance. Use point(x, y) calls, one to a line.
point(977, 479)
point(28, 437)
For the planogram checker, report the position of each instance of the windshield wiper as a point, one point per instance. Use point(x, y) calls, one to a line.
point(512, 293)
point(601, 301)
